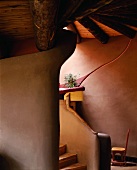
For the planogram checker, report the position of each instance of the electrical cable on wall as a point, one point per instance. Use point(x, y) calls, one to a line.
point(105, 64)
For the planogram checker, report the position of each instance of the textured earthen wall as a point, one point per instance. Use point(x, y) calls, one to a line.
point(110, 97)
point(29, 108)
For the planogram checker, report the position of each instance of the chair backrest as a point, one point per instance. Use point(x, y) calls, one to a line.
point(126, 143)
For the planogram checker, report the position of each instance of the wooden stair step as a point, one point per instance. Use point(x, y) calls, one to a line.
point(67, 159)
point(76, 166)
point(62, 149)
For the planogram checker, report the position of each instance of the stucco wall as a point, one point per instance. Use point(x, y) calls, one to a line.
point(110, 98)
point(27, 119)
point(29, 107)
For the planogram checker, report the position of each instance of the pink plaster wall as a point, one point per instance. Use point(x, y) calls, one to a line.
point(110, 98)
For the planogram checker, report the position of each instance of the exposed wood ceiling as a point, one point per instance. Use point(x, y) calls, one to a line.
point(93, 19)
point(86, 34)
point(15, 19)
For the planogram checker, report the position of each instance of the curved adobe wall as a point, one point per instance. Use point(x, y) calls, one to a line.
point(110, 96)
point(29, 107)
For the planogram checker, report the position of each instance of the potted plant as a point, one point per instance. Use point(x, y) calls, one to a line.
point(70, 80)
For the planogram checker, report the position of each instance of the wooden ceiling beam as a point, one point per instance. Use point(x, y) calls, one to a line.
point(44, 13)
point(67, 8)
point(73, 28)
point(88, 7)
point(126, 20)
point(123, 29)
point(131, 10)
point(118, 5)
point(94, 29)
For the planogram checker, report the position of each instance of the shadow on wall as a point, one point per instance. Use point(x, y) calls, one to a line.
point(8, 163)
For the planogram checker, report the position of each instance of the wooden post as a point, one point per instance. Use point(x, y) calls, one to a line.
point(45, 13)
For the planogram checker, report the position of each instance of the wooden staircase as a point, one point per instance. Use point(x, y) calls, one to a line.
point(68, 161)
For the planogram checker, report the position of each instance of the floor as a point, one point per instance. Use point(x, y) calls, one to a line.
point(124, 168)
point(128, 166)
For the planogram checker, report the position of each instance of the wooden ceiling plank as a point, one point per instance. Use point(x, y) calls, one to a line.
point(123, 29)
point(15, 19)
point(94, 29)
point(44, 13)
